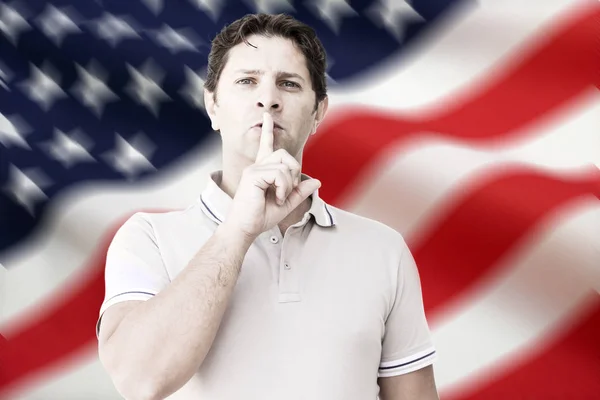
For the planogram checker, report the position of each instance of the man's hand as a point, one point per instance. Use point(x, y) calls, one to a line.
point(269, 189)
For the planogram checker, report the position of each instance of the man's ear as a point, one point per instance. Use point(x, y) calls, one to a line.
point(321, 112)
point(209, 104)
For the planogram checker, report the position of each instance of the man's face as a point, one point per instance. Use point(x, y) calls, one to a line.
point(270, 77)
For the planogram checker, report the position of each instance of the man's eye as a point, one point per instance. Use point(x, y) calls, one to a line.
point(245, 81)
point(291, 84)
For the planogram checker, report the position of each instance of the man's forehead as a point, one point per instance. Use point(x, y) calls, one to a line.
point(273, 54)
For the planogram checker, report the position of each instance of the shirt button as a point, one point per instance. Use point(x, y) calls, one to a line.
point(274, 239)
point(287, 266)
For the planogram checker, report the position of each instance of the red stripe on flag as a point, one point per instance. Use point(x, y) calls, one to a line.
point(487, 222)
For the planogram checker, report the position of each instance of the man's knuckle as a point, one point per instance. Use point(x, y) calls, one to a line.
point(282, 168)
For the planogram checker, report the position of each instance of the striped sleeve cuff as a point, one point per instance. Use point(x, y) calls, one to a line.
point(133, 295)
point(407, 364)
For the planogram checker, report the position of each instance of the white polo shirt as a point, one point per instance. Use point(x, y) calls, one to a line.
point(319, 313)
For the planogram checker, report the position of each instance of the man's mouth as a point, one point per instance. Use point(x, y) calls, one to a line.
point(274, 126)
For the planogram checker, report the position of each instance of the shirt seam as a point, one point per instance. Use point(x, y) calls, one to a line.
point(156, 241)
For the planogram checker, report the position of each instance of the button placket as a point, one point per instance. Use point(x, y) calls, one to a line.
point(288, 275)
point(272, 243)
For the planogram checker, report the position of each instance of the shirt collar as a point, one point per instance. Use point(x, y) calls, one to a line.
point(215, 203)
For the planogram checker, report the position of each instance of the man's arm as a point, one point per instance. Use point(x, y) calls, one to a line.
point(158, 344)
point(151, 349)
point(416, 385)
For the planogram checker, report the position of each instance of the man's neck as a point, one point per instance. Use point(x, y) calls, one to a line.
point(230, 180)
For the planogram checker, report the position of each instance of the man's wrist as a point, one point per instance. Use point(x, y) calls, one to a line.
point(233, 236)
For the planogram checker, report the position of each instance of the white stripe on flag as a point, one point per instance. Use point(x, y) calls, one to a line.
point(531, 298)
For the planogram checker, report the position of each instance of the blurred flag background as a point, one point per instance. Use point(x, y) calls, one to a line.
point(471, 127)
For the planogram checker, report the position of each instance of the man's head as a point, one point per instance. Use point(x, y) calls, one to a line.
point(270, 63)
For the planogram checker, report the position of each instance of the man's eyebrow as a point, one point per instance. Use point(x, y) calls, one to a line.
point(283, 74)
point(280, 74)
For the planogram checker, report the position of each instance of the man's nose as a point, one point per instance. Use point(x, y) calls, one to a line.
point(269, 98)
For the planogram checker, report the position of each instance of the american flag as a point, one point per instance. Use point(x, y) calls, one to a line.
point(471, 127)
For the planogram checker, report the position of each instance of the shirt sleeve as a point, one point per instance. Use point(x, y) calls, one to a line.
point(134, 267)
point(407, 342)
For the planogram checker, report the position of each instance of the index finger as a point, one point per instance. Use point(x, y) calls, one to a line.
point(265, 146)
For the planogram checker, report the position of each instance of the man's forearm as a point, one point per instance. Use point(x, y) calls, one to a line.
point(163, 341)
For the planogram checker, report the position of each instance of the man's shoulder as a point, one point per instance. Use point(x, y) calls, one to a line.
point(160, 220)
point(368, 229)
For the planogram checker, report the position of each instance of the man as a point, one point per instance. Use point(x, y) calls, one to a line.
point(260, 290)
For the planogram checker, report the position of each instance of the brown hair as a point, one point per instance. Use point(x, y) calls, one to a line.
point(280, 25)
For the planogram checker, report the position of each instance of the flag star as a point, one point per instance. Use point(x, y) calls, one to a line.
point(144, 88)
point(155, 6)
point(12, 130)
point(391, 13)
point(193, 91)
point(332, 12)
point(69, 149)
point(25, 187)
point(114, 29)
point(176, 41)
point(12, 24)
point(91, 89)
point(131, 158)
point(56, 24)
point(211, 7)
point(41, 86)
point(5, 76)
point(270, 6)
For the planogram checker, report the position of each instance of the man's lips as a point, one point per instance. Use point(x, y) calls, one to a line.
point(275, 125)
